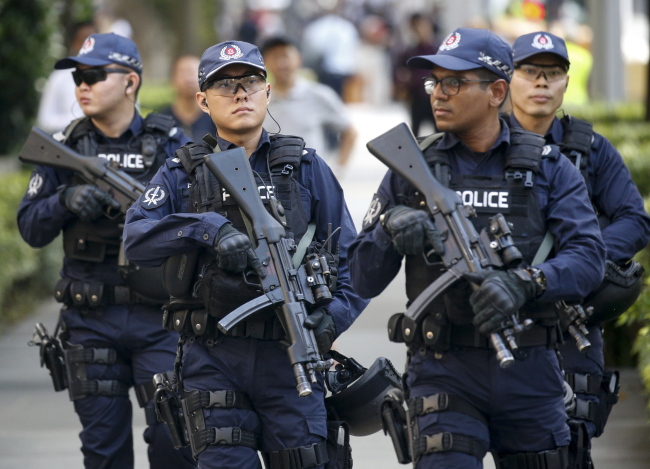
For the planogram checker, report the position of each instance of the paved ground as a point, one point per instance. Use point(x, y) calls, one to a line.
point(38, 427)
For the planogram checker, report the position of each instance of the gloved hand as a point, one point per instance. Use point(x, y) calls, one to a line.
point(410, 230)
point(234, 251)
point(499, 296)
point(322, 323)
point(87, 201)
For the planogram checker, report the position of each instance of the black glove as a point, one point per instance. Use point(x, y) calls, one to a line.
point(234, 251)
point(499, 296)
point(322, 323)
point(87, 202)
point(410, 229)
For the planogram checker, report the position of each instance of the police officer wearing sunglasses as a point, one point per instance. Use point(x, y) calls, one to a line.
point(110, 321)
point(461, 403)
point(537, 91)
point(195, 215)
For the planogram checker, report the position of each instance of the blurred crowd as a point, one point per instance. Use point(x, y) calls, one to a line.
point(357, 48)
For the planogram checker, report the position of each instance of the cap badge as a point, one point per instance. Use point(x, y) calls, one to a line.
point(451, 42)
point(230, 52)
point(542, 41)
point(89, 45)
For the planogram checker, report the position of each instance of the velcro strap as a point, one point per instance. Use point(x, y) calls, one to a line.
point(442, 402)
point(583, 383)
point(584, 409)
point(447, 441)
point(298, 458)
point(107, 356)
point(233, 436)
point(218, 399)
point(545, 460)
point(99, 388)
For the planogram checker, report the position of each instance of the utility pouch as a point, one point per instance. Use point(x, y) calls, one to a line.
point(436, 331)
point(339, 451)
point(169, 411)
point(395, 328)
point(393, 421)
point(608, 396)
point(62, 291)
point(579, 448)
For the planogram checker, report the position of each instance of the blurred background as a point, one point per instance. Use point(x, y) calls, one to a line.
point(365, 52)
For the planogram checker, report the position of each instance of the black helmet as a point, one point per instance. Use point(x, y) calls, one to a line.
point(620, 289)
point(358, 402)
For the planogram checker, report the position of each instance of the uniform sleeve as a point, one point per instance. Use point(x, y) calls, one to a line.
point(41, 216)
point(617, 197)
point(328, 206)
point(579, 263)
point(156, 226)
point(374, 262)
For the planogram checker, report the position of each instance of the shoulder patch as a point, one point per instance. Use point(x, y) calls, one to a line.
point(173, 131)
point(154, 196)
point(35, 185)
point(59, 136)
point(377, 206)
point(174, 162)
point(546, 150)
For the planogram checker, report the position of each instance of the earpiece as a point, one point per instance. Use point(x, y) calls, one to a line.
point(129, 84)
point(205, 103)
point(268, 93)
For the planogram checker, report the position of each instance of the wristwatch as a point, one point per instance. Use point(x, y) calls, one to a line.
point(539, 279)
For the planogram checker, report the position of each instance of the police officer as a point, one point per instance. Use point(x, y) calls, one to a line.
point(461, 402)
point(111, 316)
point(193, 213)
point(537, 90)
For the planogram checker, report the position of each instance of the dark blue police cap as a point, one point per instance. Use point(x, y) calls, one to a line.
point(105, 49)
point(468, 48)
point(227, 53)
point(538, 43)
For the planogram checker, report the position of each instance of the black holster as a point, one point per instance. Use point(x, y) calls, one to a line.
point(52, 357)
point(394, 423)
point(169, 411)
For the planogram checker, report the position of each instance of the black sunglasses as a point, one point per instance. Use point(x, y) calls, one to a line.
point(90, 76)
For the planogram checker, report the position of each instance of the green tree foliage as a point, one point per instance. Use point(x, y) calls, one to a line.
point(24, 37)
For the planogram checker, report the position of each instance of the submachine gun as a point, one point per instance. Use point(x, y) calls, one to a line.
point(40, 148)
point(288, 289)
point(466, 250)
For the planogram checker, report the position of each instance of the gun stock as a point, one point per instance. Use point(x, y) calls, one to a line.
point(41, 149)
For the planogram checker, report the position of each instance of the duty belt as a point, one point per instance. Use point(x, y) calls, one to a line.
point(469, 336)
point(195, 323)
point(81, 294)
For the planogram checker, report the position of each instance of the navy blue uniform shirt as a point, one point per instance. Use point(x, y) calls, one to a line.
point(614, 195)
point(575, 271)
point(41, 216)
point(158, 229)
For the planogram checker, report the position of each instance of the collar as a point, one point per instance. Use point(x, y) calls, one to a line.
point(450, 140)
point(553, 136)
point(263, 145)
point(134, 128)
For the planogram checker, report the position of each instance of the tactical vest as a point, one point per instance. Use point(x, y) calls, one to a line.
point(99, 241)
point(223, 291)
point(511, 194)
